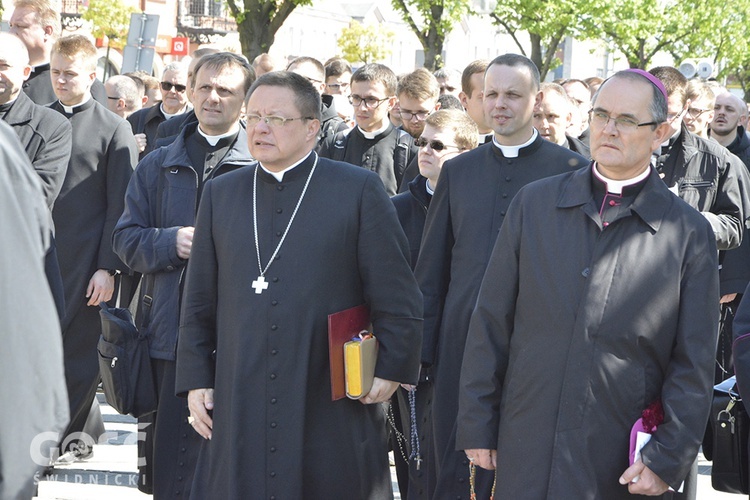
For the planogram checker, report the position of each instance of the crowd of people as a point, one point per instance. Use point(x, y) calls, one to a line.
point(541, 262)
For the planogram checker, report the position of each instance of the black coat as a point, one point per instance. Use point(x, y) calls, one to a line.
point(276, 431)
point(578, 327)
point(411, 208)
point(466, 213)
point(92, 198)
point(47, 138)
point(168, 130)
point(735, 266)
point(147, 121)
point(711, 180)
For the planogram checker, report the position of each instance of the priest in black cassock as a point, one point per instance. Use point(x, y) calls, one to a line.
point(277, 248)
point(466, 213)
point(599, 301)
point(91, 200)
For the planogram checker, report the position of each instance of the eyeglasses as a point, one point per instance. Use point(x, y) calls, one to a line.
point(370, 102)
point(674, 116)
point(408, 115)
point(337, 86)
point(434, 144)
point(272, 121)
point(622, 123)
point(696, 112)
point(166, 87)
point(312, 80)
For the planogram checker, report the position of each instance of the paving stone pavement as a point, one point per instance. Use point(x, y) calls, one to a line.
point(112, 474)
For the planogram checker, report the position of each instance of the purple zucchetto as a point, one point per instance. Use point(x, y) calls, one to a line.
point(651, 78)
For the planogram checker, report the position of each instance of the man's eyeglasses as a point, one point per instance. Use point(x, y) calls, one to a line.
point(695, 113)
point(337, 86)
point(408, 115)
point(272, 121)
point(622, 123)
point(166, 87)
point(370, 102)
point(434, 144)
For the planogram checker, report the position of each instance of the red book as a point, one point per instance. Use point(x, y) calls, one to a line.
point(342, 327)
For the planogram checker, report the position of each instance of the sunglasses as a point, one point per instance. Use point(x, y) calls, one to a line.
point(166, 87)
point(434, 144)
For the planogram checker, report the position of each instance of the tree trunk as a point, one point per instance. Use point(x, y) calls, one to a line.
point(536, 52)
point(255, 37)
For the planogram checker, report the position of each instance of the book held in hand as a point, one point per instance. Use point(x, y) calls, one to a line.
point(360, 356)
point(344, 326)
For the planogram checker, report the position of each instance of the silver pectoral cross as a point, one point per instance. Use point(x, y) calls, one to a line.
point(260, 284)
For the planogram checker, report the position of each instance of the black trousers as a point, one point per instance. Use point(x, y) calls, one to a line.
point(168, 455)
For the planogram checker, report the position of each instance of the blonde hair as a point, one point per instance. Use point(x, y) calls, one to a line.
point(463, 127)
point(77, 47)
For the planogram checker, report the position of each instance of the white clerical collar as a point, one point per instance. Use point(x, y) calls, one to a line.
point(213, 140)
point(512, 151)
point(279, 176)
point(70, 109)
point(373, 135)
point(170, 115)
point(616, 187)
point(430, 189)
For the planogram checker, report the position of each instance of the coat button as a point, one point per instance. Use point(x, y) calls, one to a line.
point(274, 327)
point(505, 195)
point(275, 279)
point(182, 464)
point(273, 449)
point(507, 179)
point(585, 273)
point(273, 376)
point(274, 352)
point(273, 425)
point(278, 233)
point(273, 401)
point(274, 302)
point(280, 188)
point(170, 268)
point(502, 213)
point(273, 474)
point(183, 450)
point(278, 210)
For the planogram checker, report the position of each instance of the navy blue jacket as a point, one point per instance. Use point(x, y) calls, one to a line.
point(411, 207)
point(161, 198)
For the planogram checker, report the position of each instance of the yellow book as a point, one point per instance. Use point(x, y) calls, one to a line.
point(360, 357)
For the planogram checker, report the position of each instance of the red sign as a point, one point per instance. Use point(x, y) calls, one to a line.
point(180, 46)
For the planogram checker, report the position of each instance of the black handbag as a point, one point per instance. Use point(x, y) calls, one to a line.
point(124, 363)
point(726, 442)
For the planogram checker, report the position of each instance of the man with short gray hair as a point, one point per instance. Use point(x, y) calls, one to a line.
point(174, 102)
point(123, 98)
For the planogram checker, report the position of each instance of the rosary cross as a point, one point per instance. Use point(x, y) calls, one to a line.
point(260, 284)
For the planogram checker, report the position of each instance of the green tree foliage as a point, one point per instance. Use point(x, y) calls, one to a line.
point(642, 28)
point(365, 43)
point(729, 47)
point(259, 20)
point(432, 21)
point(546, 23)
point(110, 18)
